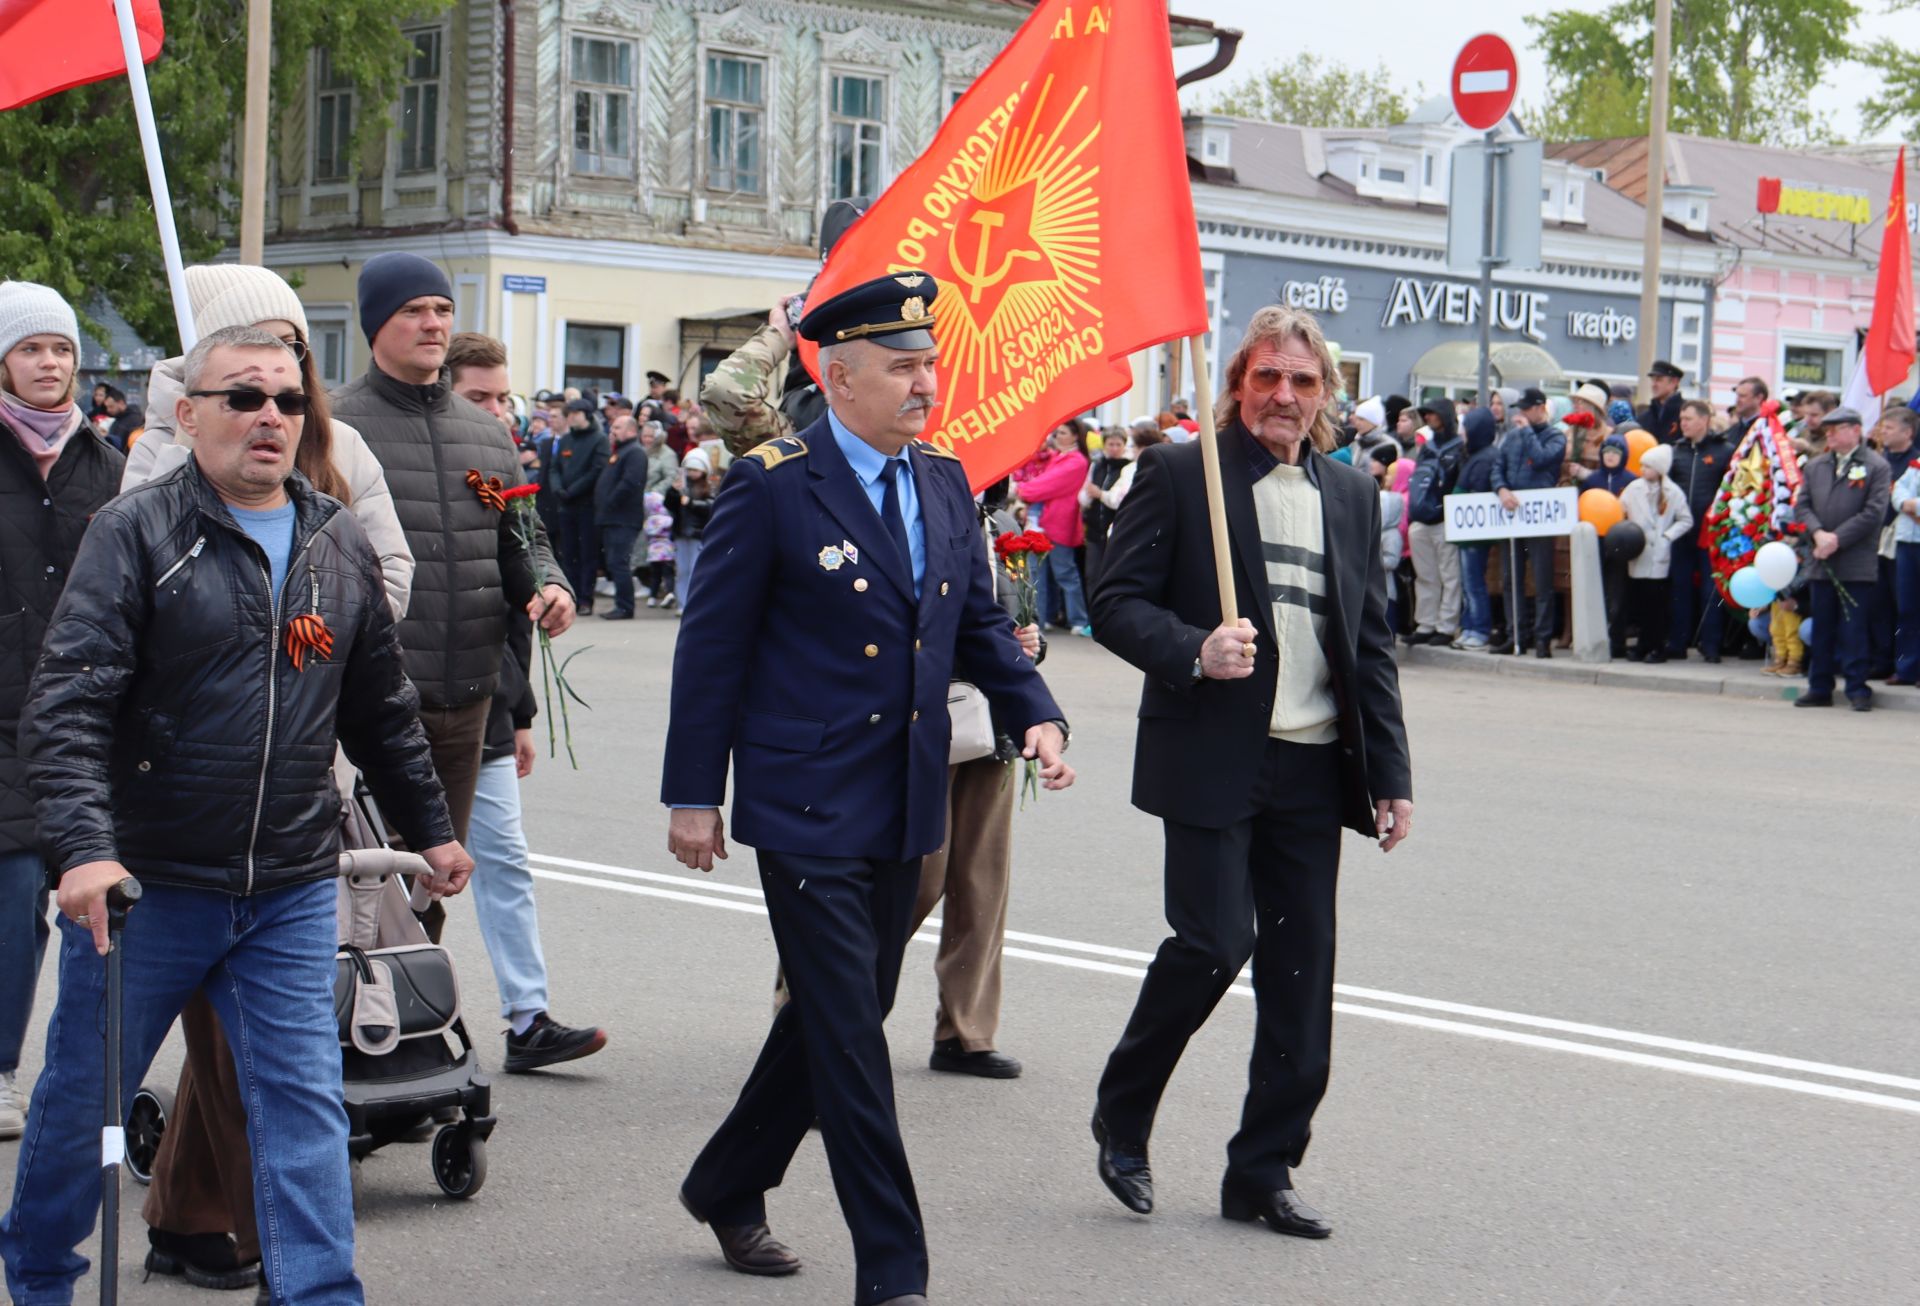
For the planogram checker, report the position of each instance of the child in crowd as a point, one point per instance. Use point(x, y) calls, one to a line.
point(659, 557)
point(1658, 507)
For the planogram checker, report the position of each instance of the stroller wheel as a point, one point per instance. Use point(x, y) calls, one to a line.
point(147, 1117)
point(459, 1161)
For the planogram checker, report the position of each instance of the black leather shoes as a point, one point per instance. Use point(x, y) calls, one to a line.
point(749, 1248)
point(949, 1055)
point(1281, 1208)
point(1124, 1170)
point(1814, 700)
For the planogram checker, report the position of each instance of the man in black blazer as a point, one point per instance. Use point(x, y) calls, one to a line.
point(1258, 741)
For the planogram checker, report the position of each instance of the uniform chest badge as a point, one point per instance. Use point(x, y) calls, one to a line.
point(832, 558)
point(853, 553)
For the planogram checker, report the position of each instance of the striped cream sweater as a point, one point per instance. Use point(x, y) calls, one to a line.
point(1292, 537)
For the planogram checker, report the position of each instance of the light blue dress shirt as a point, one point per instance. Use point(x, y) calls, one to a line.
point(868, 463)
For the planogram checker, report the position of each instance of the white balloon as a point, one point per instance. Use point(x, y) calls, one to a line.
point(1777, 563)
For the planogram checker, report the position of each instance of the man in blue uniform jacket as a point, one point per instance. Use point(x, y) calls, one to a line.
point(842, 586)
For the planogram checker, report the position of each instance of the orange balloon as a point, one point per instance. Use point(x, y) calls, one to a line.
point(1638, 442)
point(1601, 509)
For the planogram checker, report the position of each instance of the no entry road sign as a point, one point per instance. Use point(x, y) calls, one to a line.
point(1485, 78)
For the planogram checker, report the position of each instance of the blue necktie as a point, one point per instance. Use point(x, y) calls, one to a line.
point(890, 511)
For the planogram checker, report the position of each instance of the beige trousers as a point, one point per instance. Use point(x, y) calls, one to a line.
point(1436, 578)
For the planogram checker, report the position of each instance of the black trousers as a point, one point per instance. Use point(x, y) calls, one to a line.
point(579, 550)
point(1535, 552)
point(842, 926)
point(1650, 605)
point(1262, 887)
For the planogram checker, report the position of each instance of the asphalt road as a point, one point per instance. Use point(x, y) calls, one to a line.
point(1630, 1018)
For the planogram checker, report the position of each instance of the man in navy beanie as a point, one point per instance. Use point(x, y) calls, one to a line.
point(471, 562)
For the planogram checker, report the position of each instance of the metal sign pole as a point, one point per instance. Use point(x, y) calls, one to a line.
point(1489, 189)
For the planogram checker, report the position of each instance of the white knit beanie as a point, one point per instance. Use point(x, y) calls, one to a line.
point(1660, 458)
point(28, 308)
point(238, 294)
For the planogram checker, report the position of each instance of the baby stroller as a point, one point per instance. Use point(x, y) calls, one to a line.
point(406, 1056)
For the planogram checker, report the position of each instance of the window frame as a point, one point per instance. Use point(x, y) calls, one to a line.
point(341, 92)
point(575, 86)
point(883, 87)
point(708, 102)
point(327, 317)
point(438, 82)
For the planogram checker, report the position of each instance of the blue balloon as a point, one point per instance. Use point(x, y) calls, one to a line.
point(1748, 590)
point(1806, 630)
point(1758, 627)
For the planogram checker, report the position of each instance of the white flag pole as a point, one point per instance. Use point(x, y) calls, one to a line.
point(1860, 396)
point(156, 172)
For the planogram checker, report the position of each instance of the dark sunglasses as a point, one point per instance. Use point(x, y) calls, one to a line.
point(291, 403)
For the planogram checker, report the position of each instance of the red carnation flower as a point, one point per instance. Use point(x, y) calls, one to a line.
point(520, 492)
point(1038, 543)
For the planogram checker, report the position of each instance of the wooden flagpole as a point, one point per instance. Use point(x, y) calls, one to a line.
point(1210, 465)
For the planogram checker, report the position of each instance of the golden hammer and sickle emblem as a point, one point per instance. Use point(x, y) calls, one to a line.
point(978, 278)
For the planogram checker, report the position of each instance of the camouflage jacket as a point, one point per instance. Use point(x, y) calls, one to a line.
point(742, 396)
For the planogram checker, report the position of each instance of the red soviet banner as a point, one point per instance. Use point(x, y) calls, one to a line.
point(47, 46)
point(1053, 207)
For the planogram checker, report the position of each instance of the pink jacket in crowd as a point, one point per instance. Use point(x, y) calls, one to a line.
point(1055, 490)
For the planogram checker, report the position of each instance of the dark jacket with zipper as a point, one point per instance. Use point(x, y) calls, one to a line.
point(579, 463)
point(514, 705)
point(1698, 470)
point(167, 727)
point(470, 562)
point(1201, 742)
point(41, 522)
point(620, 495)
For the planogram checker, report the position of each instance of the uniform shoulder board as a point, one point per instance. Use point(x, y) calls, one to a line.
point(933, 450)
point(774, 452)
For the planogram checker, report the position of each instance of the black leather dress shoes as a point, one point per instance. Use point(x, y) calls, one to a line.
point(749, 1248)
point(1124, 1170)
point(1281, 1208)
point(949, 1055)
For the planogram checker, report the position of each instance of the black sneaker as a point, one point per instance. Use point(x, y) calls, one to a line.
point(205, 1260)
point(547, 1042)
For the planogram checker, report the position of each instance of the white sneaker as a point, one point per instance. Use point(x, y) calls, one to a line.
point(603, 587)
point(653, 603)
point(13, 1115)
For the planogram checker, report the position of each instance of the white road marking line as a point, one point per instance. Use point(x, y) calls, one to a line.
point(750, 900)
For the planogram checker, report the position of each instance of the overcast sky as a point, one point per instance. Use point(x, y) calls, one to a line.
point(1417, 40)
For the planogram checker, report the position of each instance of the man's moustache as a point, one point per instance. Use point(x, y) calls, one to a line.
point(917, 405)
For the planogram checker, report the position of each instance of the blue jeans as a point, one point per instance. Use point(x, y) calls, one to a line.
point(1906, 564)
point(616, 559)
point(1694, 610)
point(23, 941)
point(686, 553)
point(1062, 572)
point(1476, 604)
point(502, 889)
point(266, 963)
point(1839, 627)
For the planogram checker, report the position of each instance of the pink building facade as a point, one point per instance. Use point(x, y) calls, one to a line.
point(1796, 323)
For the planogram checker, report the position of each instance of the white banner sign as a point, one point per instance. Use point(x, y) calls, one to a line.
point(1474, 517)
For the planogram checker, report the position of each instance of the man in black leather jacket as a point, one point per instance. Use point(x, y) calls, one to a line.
point(222, 627)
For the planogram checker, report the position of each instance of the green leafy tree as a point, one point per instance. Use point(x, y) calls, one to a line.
point(1310, 93)
point(1898, 101)
point(75, 210)
point(1741, 69)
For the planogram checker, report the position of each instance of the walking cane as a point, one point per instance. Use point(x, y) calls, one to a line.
point(113, 1130)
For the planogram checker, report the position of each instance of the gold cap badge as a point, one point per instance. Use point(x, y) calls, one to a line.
point(914, 310)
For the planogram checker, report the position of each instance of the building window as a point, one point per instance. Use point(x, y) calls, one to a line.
point(736, 119)
point(1426, 166)
point(1813, 365)
point(858, 124)
point(594, 356)
point(332, 121)
point(1397, 176)
point(418, 119)
point(328, 340)
point(603, 86)
point(1689, 325)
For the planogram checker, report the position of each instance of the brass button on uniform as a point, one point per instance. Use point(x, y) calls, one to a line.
point(874, 720)
point(915, 716)
point(860, 585)
point(916, 646)
point(873, 650)
point(943, 589)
